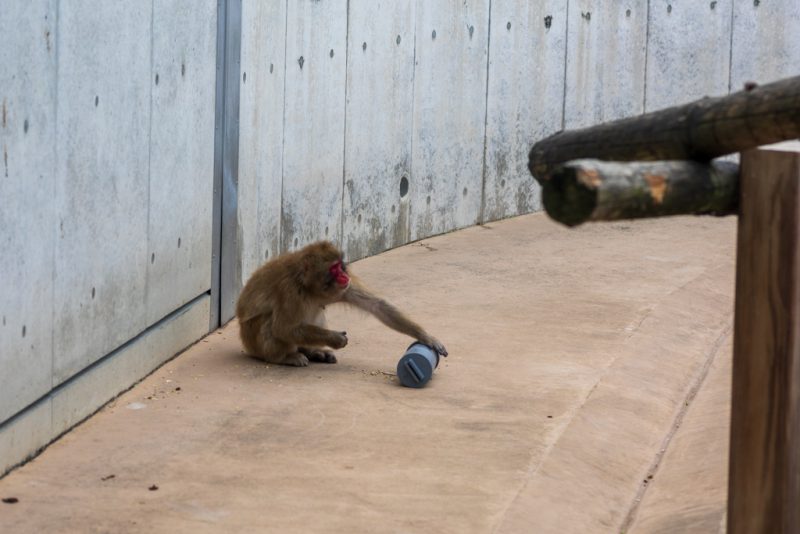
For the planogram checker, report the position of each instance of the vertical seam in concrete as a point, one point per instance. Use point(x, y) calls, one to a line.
point(730, 50)
point(283, 127)
point(411, 177)
point(646, 55)
point(566, 59)
point(344, 134)
point(55, 199)
point(482, 213)
point(149, 166)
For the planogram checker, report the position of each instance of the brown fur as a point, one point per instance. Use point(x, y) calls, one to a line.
point(280, 309)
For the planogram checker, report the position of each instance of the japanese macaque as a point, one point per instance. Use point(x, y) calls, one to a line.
point(281, 308)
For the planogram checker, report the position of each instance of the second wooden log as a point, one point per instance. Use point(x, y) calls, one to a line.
point(593, 190)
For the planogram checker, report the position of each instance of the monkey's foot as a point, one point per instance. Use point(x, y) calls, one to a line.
point(322, 356)
point(296, 359)
point(316, 355)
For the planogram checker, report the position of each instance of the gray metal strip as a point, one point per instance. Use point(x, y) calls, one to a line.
point(216, 226)
point(226, 264)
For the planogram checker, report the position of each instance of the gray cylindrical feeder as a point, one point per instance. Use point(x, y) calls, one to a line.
point(415, 368)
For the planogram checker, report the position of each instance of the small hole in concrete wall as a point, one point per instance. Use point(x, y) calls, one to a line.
point(471, 31)
point(713, 5)
point(156, 79)
point(179, 242)
point(24, 330)
point(92, 292)
point(464, 192)
point(266, 254)
point(271, 68)
point(326, 231)
point(96, 101)
point(244, 77)
point(359, 218)
point(364, 45)
point(398, 39)
point(295, 241)
point(587, 15)
point(548, 21)
point(153, 257)
point(628, 13)
point(428, 200)
point(502, 183)
point(183, 69)
point(508, 25)
point(393, 208)
point(756, 3)
point(331, 52)
point(669, 8)
point(403, 186)
point(433, 34)
point(25, 126)
point(300, 62)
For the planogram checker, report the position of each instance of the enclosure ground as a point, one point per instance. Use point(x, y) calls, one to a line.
point(587, 390)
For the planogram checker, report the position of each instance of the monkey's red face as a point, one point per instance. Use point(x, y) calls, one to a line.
point(337, 271)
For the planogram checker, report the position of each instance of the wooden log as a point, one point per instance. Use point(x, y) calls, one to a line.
point(702, 130)
point(764, 481)
point(593, 190)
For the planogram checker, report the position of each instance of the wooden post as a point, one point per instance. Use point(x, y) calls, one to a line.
point(764, 482)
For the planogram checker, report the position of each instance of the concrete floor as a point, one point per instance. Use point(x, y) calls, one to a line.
point(587, 391)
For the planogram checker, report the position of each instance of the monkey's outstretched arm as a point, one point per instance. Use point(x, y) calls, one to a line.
point(358, 296)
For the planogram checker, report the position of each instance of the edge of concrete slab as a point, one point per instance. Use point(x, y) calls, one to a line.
point(627, 423)
point(28, 433)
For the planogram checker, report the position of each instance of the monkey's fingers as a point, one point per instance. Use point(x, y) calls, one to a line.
point(436, 345)
point(338, 341)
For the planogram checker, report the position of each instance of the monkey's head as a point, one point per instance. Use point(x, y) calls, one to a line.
point(324, 270)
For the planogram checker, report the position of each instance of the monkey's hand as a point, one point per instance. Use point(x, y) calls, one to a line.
point(337, 340)
point(435, 344)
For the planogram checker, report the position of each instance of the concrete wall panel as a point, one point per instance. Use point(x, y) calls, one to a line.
point(605, 62)
point(27, 219)
point(261, 104)
point(380, 76)
point(313, 156)
point(181, 159)
point(525, 98)
point(766, 41)
point(22, 437)
point(91, 390)
point(102, 181)
point(67, 406)
point(449, 115)
point(688, 51)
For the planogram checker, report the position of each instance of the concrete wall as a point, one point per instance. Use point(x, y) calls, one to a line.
point(107, 136)
point(370, 122)
point(409, 119)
